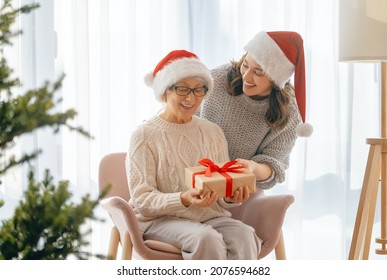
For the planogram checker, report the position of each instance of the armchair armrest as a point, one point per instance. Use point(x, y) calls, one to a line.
point(125, 221)
point(265, 213)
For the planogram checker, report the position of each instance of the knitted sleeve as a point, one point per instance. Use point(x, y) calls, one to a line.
point(276, 148)
point(141, 173)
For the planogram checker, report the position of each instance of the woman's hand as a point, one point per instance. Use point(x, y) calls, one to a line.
point(192, 197)
point(241, 194)
point(250, 165)
point(262, 171)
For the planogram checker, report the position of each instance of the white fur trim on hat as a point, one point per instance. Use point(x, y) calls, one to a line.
point(264, 50)
point(176, 71)
point(148, 79)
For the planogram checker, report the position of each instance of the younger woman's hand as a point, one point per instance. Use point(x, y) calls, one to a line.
point(262, 171)
point(250, 165)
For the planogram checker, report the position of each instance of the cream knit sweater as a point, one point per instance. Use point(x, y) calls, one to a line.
point(159, 151)
point(243, 122)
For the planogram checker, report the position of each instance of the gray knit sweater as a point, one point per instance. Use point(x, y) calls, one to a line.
point(159, 151)
point(243, 122)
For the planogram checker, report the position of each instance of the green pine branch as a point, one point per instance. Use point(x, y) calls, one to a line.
point(47, 223)
point(23, 114)
point(8, 16)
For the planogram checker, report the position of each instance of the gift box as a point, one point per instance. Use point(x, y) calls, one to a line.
point(224, 179)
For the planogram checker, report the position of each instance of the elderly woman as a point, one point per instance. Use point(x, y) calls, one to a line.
point(161, 148)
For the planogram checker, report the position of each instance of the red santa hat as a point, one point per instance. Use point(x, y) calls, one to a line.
point(281, 54)
point(177, 65)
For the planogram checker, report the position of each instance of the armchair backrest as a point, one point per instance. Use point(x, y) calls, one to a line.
point(112, 171)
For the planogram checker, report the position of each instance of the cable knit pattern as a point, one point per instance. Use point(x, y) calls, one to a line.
point(159, 151)
point(243, 122)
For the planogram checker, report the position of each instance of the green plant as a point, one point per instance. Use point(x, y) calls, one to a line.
point(21, 114)
point(47, 223)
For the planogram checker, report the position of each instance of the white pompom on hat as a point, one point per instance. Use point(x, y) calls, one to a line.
point(174, 67)
point(281, 54)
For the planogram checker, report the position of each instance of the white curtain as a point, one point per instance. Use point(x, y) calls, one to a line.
point(105, 47)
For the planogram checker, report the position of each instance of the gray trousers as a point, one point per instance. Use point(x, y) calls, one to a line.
point(222, 238)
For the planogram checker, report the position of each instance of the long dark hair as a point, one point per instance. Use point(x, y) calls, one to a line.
point(277, 115)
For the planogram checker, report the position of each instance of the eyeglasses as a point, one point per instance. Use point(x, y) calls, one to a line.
point(184, 91)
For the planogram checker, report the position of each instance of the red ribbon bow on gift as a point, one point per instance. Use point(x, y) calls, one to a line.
point(229, 166)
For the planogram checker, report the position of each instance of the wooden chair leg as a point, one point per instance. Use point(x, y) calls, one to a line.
point(280, 248)
point(127, 247)
point(113, 244)
point(365, 213)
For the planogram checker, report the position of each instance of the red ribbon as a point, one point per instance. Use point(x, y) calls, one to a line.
point(230, 166)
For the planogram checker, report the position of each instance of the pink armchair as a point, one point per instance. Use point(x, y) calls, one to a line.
point(263, 212)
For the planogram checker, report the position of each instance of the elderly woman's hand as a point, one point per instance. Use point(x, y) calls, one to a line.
point(241, 194)
point(192, 197)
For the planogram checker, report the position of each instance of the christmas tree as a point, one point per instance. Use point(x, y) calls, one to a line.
point(46, 224)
